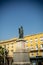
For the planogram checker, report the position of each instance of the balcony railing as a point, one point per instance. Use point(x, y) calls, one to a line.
point(41, 49)
point(32, 49)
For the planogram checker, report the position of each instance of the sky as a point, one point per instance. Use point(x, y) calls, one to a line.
point(16, 13)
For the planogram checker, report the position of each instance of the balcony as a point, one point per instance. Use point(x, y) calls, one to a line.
point(33, 49)
point(36, 49)
point(41, 49)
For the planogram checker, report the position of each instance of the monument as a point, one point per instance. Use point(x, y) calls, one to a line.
point(21, 55)
point(21, 33)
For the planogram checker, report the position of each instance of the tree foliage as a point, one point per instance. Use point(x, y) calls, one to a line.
point(2, 55)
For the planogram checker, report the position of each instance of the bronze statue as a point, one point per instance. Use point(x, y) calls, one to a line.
point(21, 32)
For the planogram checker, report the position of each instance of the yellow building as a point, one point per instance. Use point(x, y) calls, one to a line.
point(33, 42)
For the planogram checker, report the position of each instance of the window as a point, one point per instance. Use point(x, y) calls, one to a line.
point(12, 43)
point(8, 51)
point(11, 50)
point(37, 54)
point(41, 45)
point(31, 41)
point(41, 39)
point(7, 46)
point(36, 40)
point(12, 46)
point(31, 48)
point(42, 53)
point(32, 54)
point(26, 42)
point(36, 46)
point(26, 46)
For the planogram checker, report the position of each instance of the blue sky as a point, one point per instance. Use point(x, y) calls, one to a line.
point(14, 13)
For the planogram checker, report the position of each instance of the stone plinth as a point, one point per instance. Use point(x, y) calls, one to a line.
point(21, 55)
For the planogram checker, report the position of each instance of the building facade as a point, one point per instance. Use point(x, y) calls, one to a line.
point(33, 42)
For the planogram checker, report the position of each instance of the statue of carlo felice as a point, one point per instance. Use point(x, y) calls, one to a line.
point(21, 32)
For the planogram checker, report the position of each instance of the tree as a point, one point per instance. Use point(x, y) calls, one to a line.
point(2, 55)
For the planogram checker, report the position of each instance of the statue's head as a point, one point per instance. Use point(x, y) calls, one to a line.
point(21, 27)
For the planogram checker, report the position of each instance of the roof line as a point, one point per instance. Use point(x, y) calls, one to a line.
point(32, 34)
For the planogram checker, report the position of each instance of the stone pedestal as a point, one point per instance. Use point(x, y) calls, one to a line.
point(21, 55)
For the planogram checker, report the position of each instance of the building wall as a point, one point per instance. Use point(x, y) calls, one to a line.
point(33, 42)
